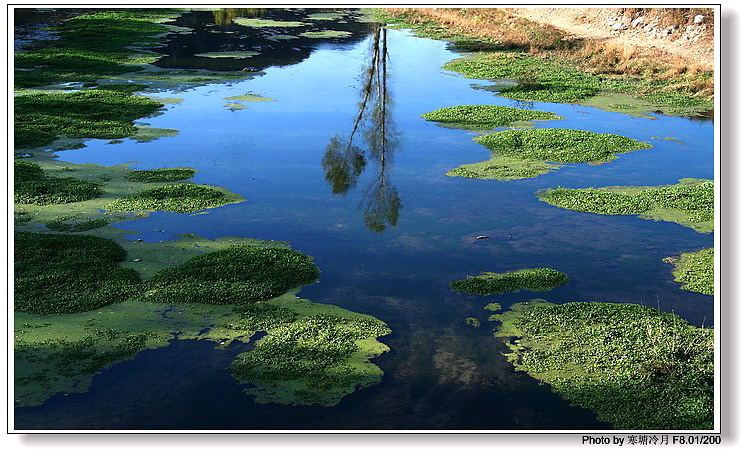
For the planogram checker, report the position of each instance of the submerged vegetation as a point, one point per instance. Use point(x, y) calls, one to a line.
point(32, 186)
point(533, 152)
point(695, 271)
point(533, 279)
point(638, 368)
point(689, 203)
point(61, 273)
point(485, 117)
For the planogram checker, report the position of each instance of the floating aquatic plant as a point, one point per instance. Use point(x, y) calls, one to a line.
point(181, 198)
point(32, 186)
point(485, 117)
point(637, 367)
point(534, 279)
point(689, 203)
point(695, 271)
point(160, 175)
point(62, 273)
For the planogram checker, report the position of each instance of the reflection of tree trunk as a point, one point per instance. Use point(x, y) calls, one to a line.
point(343, 164)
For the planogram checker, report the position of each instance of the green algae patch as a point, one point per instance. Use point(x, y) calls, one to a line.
point(93, 113)
point(281, 37)
point(485, 117)
point(695, 271)
point(75, 223)
point(62, 353)
point(160, 175)
point(62, 273)
point(32, 185)
point(473, 322)
point(325, 16)
point(533, 279)
point(262, 23)
point(236, 275)
point(228, 54)
point(493, 307)
point(503, 168)
point(529, 153)
point(249, 97)
point(317, 359)
point(325, 34)
point(635, 366)
point(145, 134)
point(689, 203)
point(180, 198)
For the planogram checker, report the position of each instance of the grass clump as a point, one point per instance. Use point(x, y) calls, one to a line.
point(534, 279)
point(32, 186)
point(485, 117)
point(696, 272)
point(160, 175)
point(237, 275)
point(60, 273)
point(181, 198)
point(689, 203)
point(637, 367)
point(473, 322)
point(93, 113)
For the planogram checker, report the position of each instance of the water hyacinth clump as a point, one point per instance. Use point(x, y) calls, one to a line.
point(485, 116)
point(61, 273)
point(689, 203)
point(160, 175)
point(635, 366)
point(533, 279)
point(32, 186)
point(237, 275)
point(181, 198)
point(559, 145)
point(696, 271)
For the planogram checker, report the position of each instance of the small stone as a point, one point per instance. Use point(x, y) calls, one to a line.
point(482, 237)
point(136, 260)
point(637, 22)
point(699, 18)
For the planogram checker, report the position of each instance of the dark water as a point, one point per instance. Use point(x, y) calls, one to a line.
point(389, 245)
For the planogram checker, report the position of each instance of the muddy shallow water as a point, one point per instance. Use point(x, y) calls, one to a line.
point(391, 244)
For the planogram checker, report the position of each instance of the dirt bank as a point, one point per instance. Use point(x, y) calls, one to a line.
point(684, 32)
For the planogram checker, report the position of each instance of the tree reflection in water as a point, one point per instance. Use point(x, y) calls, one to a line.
point(344, 161)
point(225, 16)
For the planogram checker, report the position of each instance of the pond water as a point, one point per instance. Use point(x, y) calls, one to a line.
point(390, 240)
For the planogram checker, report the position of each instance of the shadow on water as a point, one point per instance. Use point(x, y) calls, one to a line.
point(343, 161)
